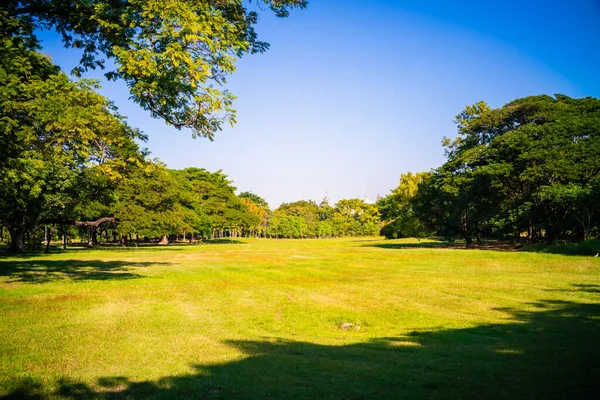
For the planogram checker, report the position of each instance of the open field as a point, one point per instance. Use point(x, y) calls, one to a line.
point(300, 319)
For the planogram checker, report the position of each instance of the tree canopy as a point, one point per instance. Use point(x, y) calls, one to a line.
point(305, 219)
point(530, 166)
point(396, 209)
point(174, 55)
point(56, 135)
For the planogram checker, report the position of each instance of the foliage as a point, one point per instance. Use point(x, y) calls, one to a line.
point(258, 207)
point(530, 166)
point(54, 135)
point(288, 226)
point(299, 219)
point(306, 219)
point(355, 217)
point(174, 55)
point(259, 201)
point(217, 199)
point(396, 209)
point(154, 201)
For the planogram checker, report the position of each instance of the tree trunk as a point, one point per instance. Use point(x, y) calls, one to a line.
point(89, 237)
point(17, 239)
point(64, 231)
point(469, 240)
point(48, 237)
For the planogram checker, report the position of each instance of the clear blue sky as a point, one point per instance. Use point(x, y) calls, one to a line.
point(354, 93)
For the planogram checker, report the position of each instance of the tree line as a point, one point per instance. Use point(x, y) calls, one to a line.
point(70, 163)
point(150, 202)
point(527, 171)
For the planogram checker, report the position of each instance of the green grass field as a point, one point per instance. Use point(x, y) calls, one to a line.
point(300, 319)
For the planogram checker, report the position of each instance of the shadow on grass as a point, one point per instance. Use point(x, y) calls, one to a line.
point(39, 271)
point(583, 248)
point(417, 245)
point(222, 241)
point(580, 287)
point(442, 244)
point(170, 245)
point(116, 247)
point(550, 353)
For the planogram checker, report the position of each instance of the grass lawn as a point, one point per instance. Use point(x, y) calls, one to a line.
point(300, 319)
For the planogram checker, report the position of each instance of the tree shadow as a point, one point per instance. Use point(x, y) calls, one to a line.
point(583, 248)
point(222, 241)
point(441, 244)
point(33, 270)
point(580, 287)
point(114, 247)
point(418, 245)
point(587, 288)
point(550, 353)
point(180, 245)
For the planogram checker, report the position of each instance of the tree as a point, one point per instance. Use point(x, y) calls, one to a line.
point(259, 201)
point(581, 201)
point(308, 211)
point(154, 201)
point(258, 207)
point(216, 195)
point(355, 217)
point(174, 55)
point(531, 166)
point(288, 226)
point(53, 133)
point(396, 209)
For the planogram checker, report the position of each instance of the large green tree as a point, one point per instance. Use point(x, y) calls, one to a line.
point(306, 210)
point(258, 207)
point(355, 217)
point(174, 55)
point(396, 209)
point(53, 134)
point(531, 166)
point(155, 202)
point(216, 195)
point(349, 217)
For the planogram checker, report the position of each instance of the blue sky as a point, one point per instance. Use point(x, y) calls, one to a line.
point(354, 93)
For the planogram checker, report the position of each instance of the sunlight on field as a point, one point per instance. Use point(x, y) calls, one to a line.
point(343, 318)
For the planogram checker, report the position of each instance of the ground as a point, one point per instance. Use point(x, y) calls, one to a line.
point(300, 319)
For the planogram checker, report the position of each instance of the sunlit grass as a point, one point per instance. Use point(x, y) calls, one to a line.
point(344, 318)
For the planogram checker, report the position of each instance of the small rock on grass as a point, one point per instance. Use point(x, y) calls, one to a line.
point(349, 325)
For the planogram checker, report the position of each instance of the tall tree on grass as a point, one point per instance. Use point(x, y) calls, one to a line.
point(396, 209)
point(258, 207)
point(307, 210)
point(174, 55)
point(530, 166)
point(356, 217)
point(155, 202)
point(52, 133)
point(216, 195)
